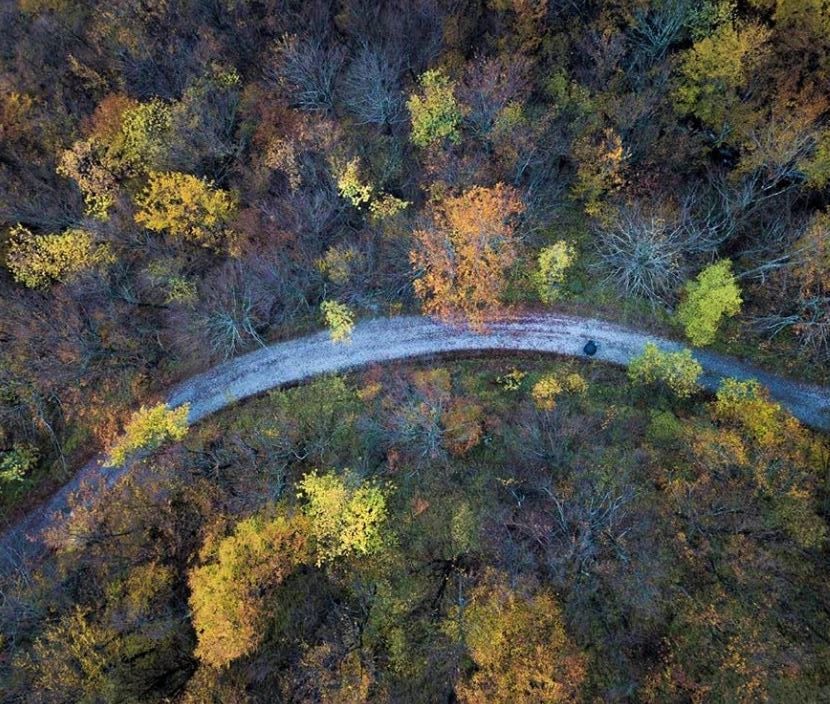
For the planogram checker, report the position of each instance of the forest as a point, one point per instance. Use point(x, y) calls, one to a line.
point(186, 181)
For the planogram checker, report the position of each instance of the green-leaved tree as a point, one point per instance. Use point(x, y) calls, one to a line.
point(713, 295)
point(435, 112)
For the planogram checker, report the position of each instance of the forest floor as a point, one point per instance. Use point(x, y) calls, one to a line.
point(382, 340)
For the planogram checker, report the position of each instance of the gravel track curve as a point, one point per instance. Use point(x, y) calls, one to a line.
point(381, 340)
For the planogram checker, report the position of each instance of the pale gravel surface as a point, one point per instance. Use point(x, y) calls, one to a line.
point(387, 339)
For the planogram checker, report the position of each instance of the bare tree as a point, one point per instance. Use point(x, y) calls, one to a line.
point(642, 253)
point(306, 70)
point(371, 87)
point(490, 85)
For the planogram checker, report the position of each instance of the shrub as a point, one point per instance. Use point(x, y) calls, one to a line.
point(387, 206)
point(711, 296)
point(339, 320)
point(88, 165)
point(15, 463)
point(554, 262)
point(512, 381)
point(679, 371)
point(351, 186)
point(545, 392)
point(148, 429)
point(462, 426)
point(575, 383)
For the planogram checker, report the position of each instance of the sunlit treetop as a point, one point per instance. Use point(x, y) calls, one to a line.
point(435, 112)
point(187, 207)
point(38, 260)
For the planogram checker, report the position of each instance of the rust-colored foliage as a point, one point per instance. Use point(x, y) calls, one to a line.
point(464, 256)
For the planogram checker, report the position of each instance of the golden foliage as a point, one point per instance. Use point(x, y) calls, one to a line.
point(187, 207)
point(148, 429)
point(38, 260)
point(228, 594)
point(522, 652)
point(463, 258)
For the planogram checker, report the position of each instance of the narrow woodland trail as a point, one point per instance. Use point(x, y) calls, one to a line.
point(384, 340)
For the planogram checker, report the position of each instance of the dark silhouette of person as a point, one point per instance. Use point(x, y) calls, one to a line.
point(590, 348)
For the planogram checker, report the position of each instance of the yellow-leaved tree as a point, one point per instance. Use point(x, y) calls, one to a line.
point(38, 260)
point(148, 429)
point(228, 594)
point(518, 642)
point(346, 515)
point(679, 371)
point(187, 207)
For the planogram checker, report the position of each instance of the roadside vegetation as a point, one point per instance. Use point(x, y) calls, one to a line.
point(182, 182)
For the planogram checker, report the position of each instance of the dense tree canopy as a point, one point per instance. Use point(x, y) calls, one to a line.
point(182, 182)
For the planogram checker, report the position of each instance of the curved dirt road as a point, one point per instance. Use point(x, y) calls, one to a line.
point(387, 339)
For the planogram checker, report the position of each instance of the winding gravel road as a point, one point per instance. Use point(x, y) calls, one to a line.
point(384, 340)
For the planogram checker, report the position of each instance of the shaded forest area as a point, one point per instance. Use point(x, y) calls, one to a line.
point(476, 532)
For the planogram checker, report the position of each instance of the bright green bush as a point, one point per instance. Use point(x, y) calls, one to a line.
point(713, 295)
point(679, 371)
point(554, 262)
point(339, 320)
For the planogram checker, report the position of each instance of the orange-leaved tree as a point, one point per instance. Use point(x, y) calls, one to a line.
point(463, 257)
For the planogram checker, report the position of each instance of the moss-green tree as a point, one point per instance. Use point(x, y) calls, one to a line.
point(347, 516)
point(229, 594)
point(38, 260)
point(816, 167)
point(16, 462)
point(747, 405)
point(148, 429)
point(554, 262)
point(713, 295)
point(714, 71)
point(187, 207)
point(144, 139)
point(522, 653)
point(679, 371)
point(435, 112)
